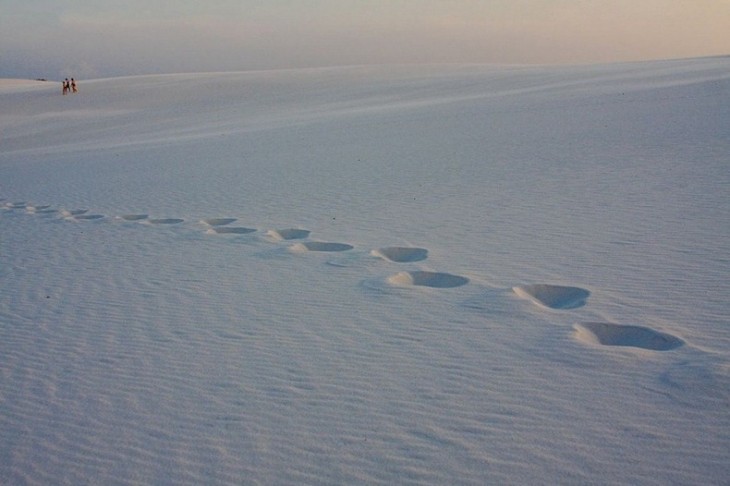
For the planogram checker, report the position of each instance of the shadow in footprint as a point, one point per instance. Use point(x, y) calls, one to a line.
point(428, 279)
point(289, 234)
point(72, 213)
point(217, 221)
point(166, 221)
point(134, 217)
point(37, 208)
point(230, 230)
point(553, 296)
point(609, 334)
point(88, 217)
point(399, 254)
point(321, 246)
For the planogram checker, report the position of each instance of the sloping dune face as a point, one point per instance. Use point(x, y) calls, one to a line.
point(553, 296)
point(609, 334)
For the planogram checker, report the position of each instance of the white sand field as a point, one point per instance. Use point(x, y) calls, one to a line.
point(453, 274)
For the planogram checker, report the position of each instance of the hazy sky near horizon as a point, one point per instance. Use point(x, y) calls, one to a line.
point(103, 38)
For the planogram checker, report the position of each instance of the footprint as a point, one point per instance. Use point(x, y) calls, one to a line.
point(609, 334)
point(34, 208)
point(428, 279)
point(400, 254)
point(16, 205)
point(553, 296)
point(230, 230)
point(88, 217)
point(133, 217)
point(166, 221)
point(217, 221)
point(289, 234)
point(320, 246)
point(72, 213)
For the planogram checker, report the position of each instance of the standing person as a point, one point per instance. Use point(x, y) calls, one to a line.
point(73, 86)
point(65, 86)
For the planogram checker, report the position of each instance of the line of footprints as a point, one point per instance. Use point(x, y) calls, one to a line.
point(549, 296)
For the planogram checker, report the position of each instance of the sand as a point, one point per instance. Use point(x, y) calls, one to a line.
point(453, 274)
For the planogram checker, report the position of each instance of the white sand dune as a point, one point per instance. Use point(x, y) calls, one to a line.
point(155, 330)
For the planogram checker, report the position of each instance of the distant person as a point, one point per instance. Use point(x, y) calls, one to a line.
point(73, 86)
point(66, 86)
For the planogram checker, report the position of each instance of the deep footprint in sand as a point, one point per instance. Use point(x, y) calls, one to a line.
point(217, 221)
point(73, 213)
point(289, 234)
point(15, 205)
point(166, 221)
point(88, 217)
point(553, 296)
point(428, 279)
point(134, 217)
point(399, 254)
point(320, 246)
point(609, 334)
point(35, 208)
point(230, 230)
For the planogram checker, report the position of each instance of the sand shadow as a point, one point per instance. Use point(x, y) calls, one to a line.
point(289, 234)
point(608, 334)
point(217, 221)
point(553, 296)
point(320, 246)
point(230, 230)
point(428, 279)
point(166, 221)
point(399, 254)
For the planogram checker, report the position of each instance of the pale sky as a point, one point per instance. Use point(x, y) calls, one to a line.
point(102, 38)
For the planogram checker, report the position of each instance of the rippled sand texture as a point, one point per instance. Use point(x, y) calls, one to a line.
point(373, 275)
